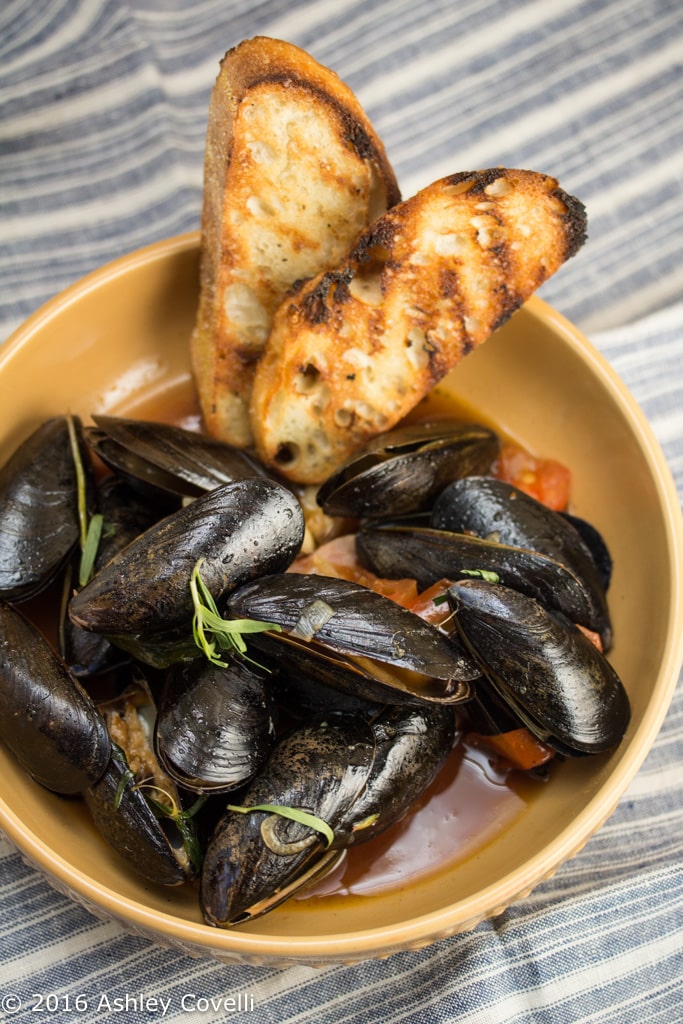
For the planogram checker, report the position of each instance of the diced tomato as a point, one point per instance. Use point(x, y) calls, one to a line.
point(519, 749)
point(592, 636)
point(425, 607)
point(338, 558)
point(544, 479)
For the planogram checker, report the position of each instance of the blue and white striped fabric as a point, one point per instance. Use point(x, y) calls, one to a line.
point(103, 109)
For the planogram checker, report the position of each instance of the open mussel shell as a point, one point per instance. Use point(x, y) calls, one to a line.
point(429, 555)
point(135, 805)
point(39, 522)
point(142, 598)
point(126, 516)
point(544, 668)
point(46, 719)
point(125, 820)
point(495, 510)
point(366, 643)
point(170, 458)
point(215, 726)
point(358, 775)
point(402, 471)
point(254, 861)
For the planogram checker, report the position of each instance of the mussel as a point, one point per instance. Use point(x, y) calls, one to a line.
point(39, 507)
point(168, 458)
point(125, 819)
point(126, 516)
point(429, 555)
point(401, 472)
point(215, 725)
point(356, 776)
point(135, 805)
point(46, 718)
point(495, 510)
point(357, 640)
point(141, 600)
point(543, 667)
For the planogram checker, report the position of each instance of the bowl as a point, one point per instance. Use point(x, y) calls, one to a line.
point(118, 342)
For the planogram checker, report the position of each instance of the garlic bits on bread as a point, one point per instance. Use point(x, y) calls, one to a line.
point(293, 173)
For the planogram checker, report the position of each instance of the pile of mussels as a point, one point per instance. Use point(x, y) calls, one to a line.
point(371, 695)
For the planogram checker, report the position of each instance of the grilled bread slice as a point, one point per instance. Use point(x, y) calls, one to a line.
point(293, 173)
point(353, 350)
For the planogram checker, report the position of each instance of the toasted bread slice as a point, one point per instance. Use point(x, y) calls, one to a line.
point(354, 350)
point(293, 173)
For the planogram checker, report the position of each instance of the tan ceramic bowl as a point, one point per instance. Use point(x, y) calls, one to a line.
point(120, 336)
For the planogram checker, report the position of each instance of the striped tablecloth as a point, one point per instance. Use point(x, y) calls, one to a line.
point(102, 118)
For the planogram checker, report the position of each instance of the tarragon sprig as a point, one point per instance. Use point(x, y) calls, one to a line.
point(293, 814)
point(211, 632)
point(90, 530)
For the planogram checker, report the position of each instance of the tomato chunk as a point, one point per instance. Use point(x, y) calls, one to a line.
point(544, 479)
point(338, 558)
point(518, 748)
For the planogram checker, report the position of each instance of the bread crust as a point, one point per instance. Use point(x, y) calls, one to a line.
point(355, 349)
point(293, 172)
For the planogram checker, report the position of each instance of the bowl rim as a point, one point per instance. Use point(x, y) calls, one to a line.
point(458, 915)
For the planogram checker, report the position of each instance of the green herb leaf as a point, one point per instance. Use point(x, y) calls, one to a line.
point(89, 553)
point(482, 574)
point(211, 632)
point(294, 814)
point(365, 823)
point(80, 480)
point(90, 532)
point(184, 823)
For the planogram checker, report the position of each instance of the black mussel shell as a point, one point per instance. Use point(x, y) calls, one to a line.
point(125, 819)
point(401, 472)
point(324, 617)
point(46, 718)
point(548, 672)
point(429, 555)
point(256, 860)
point(358, 775)
point(126, 516)
point(215, 726)
point(39, 522)
point(301, 688)
point(142, 596)
point(412, 744)
point(595, 543)
point(495, 510)
point(161, 455)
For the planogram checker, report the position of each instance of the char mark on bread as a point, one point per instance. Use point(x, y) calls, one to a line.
point(425, 284)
